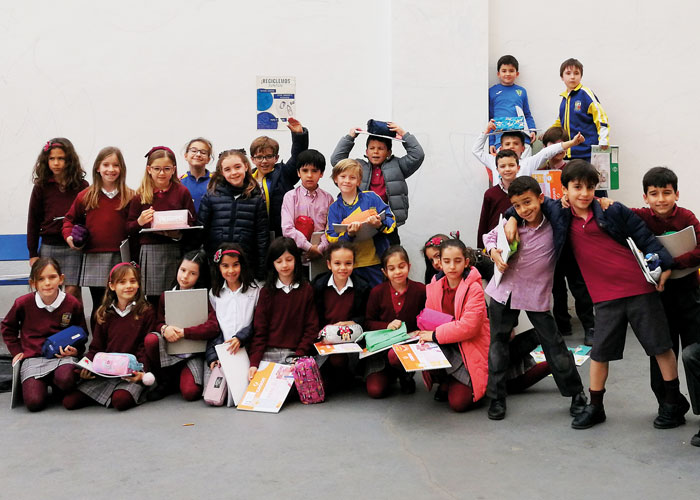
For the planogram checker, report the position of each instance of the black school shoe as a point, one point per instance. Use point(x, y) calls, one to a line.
point(407, 383)
point(588, 337)
point(590, 416)
point(497, 409)
point(671, 416)
point(578, 403)
point(695, 440)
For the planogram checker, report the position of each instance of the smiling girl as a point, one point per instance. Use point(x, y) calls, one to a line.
point(58, 178)
point(233, 210)
point(102, 209)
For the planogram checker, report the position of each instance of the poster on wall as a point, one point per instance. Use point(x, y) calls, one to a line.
point(276, 101)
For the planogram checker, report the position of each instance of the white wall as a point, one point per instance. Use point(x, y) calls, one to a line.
point(137, 74)
point(640, 58)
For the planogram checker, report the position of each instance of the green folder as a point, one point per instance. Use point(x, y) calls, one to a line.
point(379, 339)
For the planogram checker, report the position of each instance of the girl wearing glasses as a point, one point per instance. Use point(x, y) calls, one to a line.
point(198, 155)
point(161, 251)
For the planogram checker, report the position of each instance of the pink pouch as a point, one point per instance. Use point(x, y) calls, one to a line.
point(116, 364)
point(430, 319)
point(216, 390)
point(307, 379)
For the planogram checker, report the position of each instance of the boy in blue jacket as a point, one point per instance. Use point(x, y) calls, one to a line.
point(620, 293)
point(580, 111)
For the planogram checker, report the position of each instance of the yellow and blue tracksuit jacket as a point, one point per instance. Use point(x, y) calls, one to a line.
point(368, 252)
point(581, 111)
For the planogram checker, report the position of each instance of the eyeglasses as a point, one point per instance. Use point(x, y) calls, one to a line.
point(195, 152)
point(165, 170)
point(266, 157)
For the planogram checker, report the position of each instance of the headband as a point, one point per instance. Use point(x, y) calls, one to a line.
point(242, 151)
point(437, 240)
point(219, 253)
point(159, 148)
point(50, 145)
point(134, 264)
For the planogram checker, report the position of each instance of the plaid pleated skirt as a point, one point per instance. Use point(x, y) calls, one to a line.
point(101, 389)
point(41, 367)
point(195, 362)
point(96, 268)
point(159, 267)
point(71, 261)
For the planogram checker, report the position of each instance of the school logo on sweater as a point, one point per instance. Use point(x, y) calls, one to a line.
point(577, 106)
point(65, 320)
point(519, 92)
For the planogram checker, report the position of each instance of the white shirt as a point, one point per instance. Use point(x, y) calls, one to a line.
point(331, 282)
point(110, 194)
point(234, 309)
point(528, 165)
point(286, 288)
point(53, 305)
point(126, 311)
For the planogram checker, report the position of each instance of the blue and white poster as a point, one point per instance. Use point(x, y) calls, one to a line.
point(276, 101)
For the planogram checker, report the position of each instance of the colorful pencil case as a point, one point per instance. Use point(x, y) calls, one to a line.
point(116, 364)
point(510, 123)
point(333, 334)
point(430, 319)
point(379, 339)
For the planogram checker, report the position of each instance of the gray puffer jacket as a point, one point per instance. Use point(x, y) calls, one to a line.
point(395, 171)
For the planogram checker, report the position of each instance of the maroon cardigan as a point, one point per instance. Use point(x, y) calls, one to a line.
point(380, 309)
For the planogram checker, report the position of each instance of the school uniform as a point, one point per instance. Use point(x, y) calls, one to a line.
point(285, 322)
point(159, 255)
point(106, 226)
point(680, 300)
point(30, 322)
point(527, 285)
point(122, 332)
point(495, 203)
point(196, 186)
point(48, 205)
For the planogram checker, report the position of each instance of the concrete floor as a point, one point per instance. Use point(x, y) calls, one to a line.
point(354, 447)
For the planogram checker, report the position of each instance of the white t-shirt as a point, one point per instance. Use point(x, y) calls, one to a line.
point(234, 310)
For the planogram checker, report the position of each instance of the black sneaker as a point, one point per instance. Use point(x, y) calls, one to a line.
point(407, 383)
point(695, 440)
point(671, 416)
point(497, 409)
point(588, 337)
point(590, 416)
point(578, 403)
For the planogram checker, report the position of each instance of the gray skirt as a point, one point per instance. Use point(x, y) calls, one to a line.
point(41, 367)
point(96, 268)
point(159, 267)
point(458, 369)
point(195, 362)
point(101, 389)
point(71, 261)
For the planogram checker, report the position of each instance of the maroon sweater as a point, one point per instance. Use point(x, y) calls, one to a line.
point(207, 330)
point(124, 335)
point(496, 202)
point(380, 308)
point(679, 219)
point(286, 320)
point(177, 197)
point(337, 307)
point(106, 223)
point(26, 326)
point(45, 204)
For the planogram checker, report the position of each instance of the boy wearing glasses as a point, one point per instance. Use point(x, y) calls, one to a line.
point(274, 178)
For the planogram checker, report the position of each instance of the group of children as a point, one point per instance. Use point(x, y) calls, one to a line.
point(258, 233)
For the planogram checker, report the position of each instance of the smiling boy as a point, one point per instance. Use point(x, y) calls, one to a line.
point(526, 285)
point(307, 200)
point(383, 173)
point(347, 175)
point(580, 111)
point(681, 296)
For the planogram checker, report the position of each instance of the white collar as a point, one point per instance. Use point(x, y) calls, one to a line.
point(286, 288)
point(110, 194)
point(544, 219)
point(126, 311)
point(331, 282)
point(54, 305)
point(226, 289)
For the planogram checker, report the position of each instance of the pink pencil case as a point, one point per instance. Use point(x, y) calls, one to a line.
point(430, 319)
point(216, 390)
point(116, 363)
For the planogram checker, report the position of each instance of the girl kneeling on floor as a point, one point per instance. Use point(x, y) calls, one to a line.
point(123, 320)
point(464, 341)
